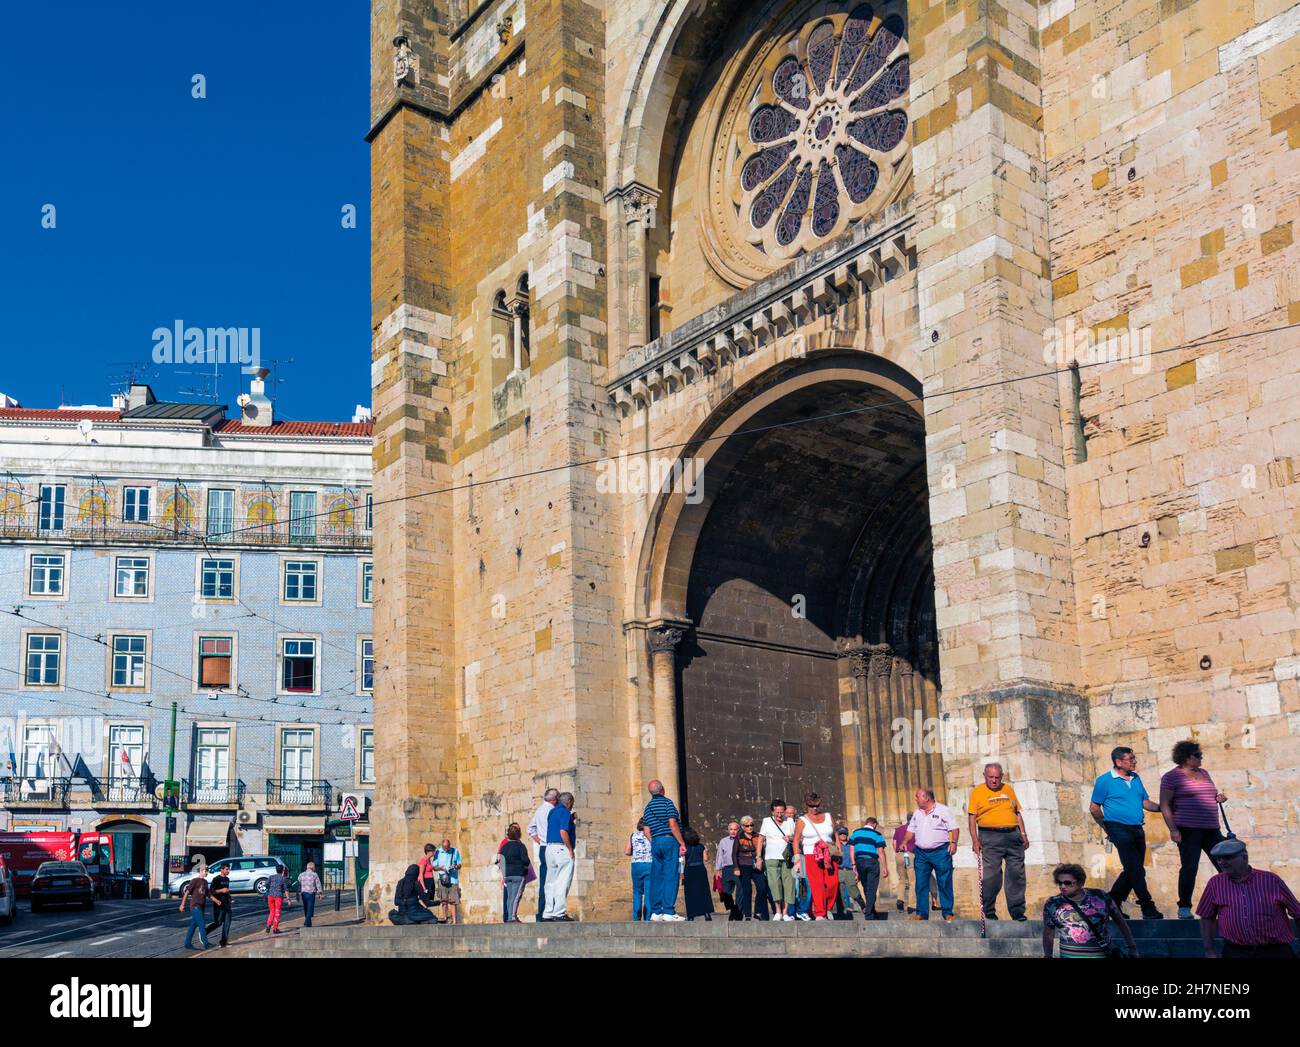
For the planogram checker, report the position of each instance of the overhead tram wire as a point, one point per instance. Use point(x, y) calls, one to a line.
point(697, 441)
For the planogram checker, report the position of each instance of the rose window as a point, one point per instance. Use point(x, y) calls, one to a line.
point(825, 134)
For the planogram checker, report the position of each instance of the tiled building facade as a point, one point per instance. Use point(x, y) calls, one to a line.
point(841, 260)
point(157, 553)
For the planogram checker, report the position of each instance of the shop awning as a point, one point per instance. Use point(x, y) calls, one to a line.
point(295, 824)
point(208, 832)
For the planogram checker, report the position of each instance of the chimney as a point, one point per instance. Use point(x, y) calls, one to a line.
point(139, 396)
point(255, 405)
point(119, 401)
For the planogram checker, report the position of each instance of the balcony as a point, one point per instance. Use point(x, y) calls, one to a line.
point(127, 792)
point(304, 794)
point(212, 794)
point(35, 793)
point(254, 532)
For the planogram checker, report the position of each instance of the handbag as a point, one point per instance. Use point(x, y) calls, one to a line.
point(529, 874)
point(1113, 952)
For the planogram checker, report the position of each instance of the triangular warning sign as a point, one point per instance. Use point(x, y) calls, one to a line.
point(349, 812)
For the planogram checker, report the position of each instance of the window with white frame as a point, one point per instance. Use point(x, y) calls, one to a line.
point(211, 764)
point(47, 574)
point(125, 750)
point(44, 655)
point(367, 665)
point(298, 671)
point(217, 579)
point(38, 750)
point(221, 513)
point(216, 661)
point(50, 507)
point(297, 758)
point(132, 575)
point(300, 580)
point(129, 661)
point(368, 582)
point(367, 769)
point(302, 516)
point(135, 504)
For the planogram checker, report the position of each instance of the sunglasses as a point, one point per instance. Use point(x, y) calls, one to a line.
point(1066, 883)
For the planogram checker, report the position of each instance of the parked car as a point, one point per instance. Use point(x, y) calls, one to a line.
point(62, 883)
point(248, 872)
point(8, 895)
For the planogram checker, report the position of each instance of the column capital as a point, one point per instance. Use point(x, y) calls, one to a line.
point(868, 659)
point(665, 635)
point(637, 200)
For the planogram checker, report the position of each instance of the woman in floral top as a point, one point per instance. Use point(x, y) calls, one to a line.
point(1078, 918)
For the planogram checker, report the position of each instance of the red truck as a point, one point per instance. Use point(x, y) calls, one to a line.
point(23, 853)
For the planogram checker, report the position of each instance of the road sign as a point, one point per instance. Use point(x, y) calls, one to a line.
point(171, 823)
point(349, 812)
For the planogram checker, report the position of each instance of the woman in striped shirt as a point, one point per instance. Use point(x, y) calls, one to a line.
point(1189, 801)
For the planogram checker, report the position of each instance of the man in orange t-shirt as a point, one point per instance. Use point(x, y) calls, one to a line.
point(998, 836)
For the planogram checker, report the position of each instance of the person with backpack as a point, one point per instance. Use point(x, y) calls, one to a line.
point(277, 897)
point(1078, 919)
point(195, 895)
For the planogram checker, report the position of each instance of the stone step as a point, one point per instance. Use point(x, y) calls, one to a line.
point(888, 938)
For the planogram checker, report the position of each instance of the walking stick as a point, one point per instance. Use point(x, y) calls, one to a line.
point(984, 931)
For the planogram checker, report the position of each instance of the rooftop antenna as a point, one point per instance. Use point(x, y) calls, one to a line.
point(123, 375)
point(276, 368)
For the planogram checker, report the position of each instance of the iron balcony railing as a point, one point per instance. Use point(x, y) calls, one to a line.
point(305, 792)
point(213, 794)
point(129, 790)
point(35, 792)
point(233, 533)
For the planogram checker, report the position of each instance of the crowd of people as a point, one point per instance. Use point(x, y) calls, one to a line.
point(280, 888)
point(803, 866)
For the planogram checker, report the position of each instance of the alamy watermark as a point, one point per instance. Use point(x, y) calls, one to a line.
point(950, 735)
point(179, 344)
point(1070, 344)
point(634, 474)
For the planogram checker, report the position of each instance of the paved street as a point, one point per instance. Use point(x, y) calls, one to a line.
point(131, 928)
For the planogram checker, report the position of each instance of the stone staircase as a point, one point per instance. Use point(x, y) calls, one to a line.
point(857, 938)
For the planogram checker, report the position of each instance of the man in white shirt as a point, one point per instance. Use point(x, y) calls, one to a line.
point(777, 832)
point(537, 833)
point(933, 831)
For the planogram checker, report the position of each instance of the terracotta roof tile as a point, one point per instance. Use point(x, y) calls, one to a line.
point(231, 427)
point(44, 414)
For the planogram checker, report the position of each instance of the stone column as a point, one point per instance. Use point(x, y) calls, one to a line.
point(663, 640)
point(638, 210)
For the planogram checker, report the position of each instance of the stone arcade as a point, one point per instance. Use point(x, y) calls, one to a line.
point(824, 251)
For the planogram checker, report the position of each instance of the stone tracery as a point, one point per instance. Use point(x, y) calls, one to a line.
point(821, 127)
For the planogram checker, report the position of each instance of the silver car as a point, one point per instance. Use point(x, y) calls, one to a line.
point(248, 872)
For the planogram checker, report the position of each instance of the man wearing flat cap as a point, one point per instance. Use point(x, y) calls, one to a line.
point(1248, 907)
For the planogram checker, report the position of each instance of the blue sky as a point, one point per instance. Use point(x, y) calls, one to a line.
point(222, 211)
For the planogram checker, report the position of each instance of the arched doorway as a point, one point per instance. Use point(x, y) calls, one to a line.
point(803, 580)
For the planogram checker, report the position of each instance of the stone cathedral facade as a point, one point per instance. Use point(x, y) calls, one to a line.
point(775, 395)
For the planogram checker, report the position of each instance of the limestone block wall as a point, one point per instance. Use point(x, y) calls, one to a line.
point(1171, 132)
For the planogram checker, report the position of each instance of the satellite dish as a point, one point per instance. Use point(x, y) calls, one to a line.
point(243, 399)
point(85, 426)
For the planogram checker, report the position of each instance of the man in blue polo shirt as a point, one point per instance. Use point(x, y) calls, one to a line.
point(561, 834)
point(865, 859)
point(1119, 803)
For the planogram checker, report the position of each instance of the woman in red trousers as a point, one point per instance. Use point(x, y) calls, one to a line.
point(815, 835)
